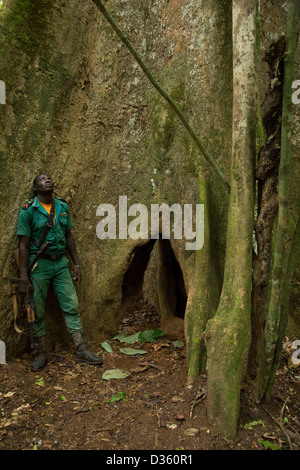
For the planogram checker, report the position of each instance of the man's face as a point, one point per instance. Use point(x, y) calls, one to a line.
point(43, 184)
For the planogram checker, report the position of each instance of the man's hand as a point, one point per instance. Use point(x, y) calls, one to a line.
point(25, 286)
point(77, 275)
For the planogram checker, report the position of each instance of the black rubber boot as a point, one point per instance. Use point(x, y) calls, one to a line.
point(82, 353)
point(40, 359)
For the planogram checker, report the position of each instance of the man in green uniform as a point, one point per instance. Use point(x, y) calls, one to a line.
point(51, 266)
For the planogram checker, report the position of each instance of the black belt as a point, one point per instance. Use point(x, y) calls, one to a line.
point(53, 257)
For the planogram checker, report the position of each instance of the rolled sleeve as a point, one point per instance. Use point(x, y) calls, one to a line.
point(24, 223)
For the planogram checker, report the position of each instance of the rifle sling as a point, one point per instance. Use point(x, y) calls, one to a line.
point(43, 238)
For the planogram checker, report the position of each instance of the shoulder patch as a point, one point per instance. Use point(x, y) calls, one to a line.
point(27, 204)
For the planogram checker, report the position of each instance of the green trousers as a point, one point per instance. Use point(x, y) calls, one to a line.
point(56, 273)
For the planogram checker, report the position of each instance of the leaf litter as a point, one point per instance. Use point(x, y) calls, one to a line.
point(135, 401)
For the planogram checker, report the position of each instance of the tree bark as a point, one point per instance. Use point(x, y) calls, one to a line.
point(280, 281)
point(267, 204)
point(229, 332)
point(164, 94)
point(203, 298)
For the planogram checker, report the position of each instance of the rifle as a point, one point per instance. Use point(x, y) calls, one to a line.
point(29, 304)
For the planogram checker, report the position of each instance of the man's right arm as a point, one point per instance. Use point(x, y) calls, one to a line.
point(24, 235)
point(25, 285)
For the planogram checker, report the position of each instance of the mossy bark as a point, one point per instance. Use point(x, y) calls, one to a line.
point(165, 95)
point(267, 198)
point(229, 332)
point(204, 296)
point(79, 108)
point(285, 232)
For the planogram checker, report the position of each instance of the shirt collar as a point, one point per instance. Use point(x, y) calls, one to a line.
point(36, 203)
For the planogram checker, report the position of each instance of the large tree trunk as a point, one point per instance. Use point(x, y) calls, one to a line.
point(228, 334)
point(80, 108)
point(203, 299)
point(267, 198)
point(285, 232)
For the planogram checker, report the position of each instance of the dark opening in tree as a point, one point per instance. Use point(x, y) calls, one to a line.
point(170, 286)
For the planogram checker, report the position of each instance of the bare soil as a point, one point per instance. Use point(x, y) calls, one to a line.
point(67, 406)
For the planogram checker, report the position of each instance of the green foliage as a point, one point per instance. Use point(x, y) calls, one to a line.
point(118, 397)
point(269, 445)
point(123, 338)
point(107, 347)
point(132, 351)
point(253, 423)
point(178, 344)
point(146, 336)
point(39, 381)
point(115, 374)
point(149, 336)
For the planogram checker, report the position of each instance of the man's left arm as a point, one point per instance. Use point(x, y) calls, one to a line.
point(71, 247)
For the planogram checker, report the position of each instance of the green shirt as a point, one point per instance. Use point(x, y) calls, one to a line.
point(33, 219)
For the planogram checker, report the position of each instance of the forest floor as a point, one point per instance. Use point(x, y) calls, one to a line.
point(69, 406)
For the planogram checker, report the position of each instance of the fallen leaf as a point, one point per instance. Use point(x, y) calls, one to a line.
point(136, 370)
point(148, 336)
point(123, 338)
point(8, 394)
point(177, 399)
point(253, 423)
point(178, 344)
point(132, 351)
point(20, 408)
point(269, 445)
point(171, 426)
point(107, 347)
point(115, 374)
point(151, 364)
point(39, 381)
point(119, 396)
point(7, 423)
point(191, 432)
point(157, 346)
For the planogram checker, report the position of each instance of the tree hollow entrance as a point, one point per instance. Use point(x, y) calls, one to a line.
point(153, 287)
